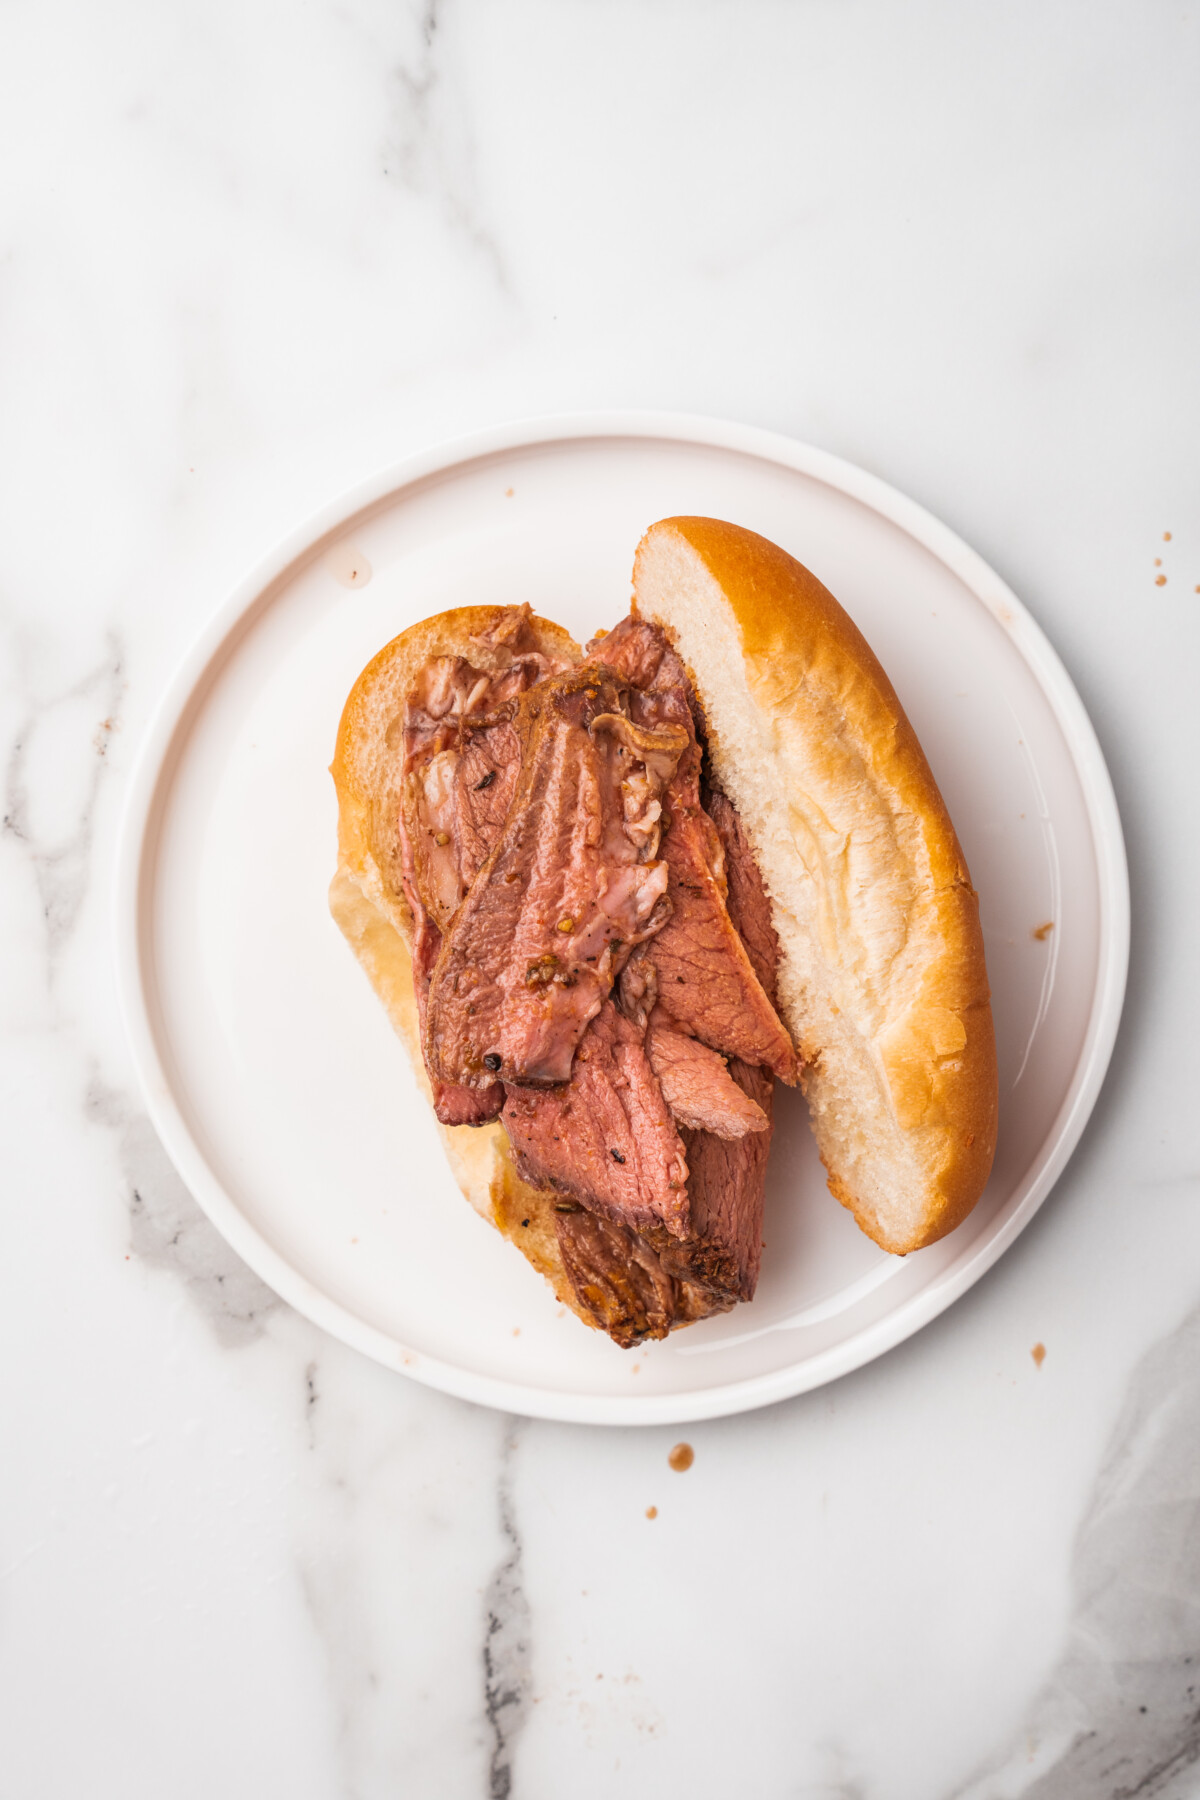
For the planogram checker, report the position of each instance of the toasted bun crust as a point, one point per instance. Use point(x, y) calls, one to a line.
point(882, 977)
point(368, 904)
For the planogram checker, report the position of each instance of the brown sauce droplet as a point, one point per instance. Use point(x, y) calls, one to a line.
point(348, 565)
point(1166, 537)
point(1038, 1354)
point(682, 1457)
point(1042, 932)
point(652, 1512)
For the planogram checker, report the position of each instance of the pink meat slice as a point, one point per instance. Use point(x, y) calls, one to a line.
point(747, 900)
point(462, 761)
point(607, 1137)
point(707, 982)
point(621, 1283)
point(573, 884)
point(726, 1186)
point(452, 1105)
point(462, 758)
point(697, 1086)
point(669, 1228)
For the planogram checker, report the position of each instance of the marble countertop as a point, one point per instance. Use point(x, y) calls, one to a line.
point(249, 254)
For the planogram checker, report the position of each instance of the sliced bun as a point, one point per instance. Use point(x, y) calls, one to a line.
point(367, 900)
point(882, 979)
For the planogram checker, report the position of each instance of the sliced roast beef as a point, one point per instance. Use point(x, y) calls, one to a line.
point(698, 1088)
point(717, 994)
point(638, 651)
point(596, 933)
point(572, 885)
point(615, 1276)
point(727, 1181)
point(466, 1106)
point(707, 983)
point(619, 1280)
point(727, 1177)
point(462, 757)
point(749, 907)
point(452, 1105)
point(606, 1137)
point(484, 784)
point(608, 1141)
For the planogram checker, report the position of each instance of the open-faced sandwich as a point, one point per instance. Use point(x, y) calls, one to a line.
point(611, 895)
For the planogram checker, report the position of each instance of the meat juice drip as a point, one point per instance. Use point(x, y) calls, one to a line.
point(681, 1457)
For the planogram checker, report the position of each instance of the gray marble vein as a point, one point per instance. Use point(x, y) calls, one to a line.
point(418, 81)
point(62, 864)
point(507, 1675)
point(430, 147)
point(169, 1231)
point(398, 1539)
point(311, 1398)
point(1119, 1717)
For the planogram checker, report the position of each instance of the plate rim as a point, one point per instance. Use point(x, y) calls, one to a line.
point(251, 595)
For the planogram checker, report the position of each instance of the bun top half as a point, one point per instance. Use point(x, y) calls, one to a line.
point(882, 978)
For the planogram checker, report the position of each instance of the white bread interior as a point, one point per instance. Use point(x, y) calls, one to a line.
point(882, 979)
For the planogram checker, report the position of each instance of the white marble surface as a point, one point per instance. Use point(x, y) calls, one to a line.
point(249, 253)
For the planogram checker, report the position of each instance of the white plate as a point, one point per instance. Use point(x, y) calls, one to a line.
point(270, 1071)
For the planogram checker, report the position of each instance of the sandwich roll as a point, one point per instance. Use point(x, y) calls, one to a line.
point(610, 895)
point(882, 980)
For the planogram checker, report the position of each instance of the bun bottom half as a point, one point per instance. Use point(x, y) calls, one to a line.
point(478, 1156)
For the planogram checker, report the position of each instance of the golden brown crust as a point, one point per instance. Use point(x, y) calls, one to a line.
point(802, 652)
